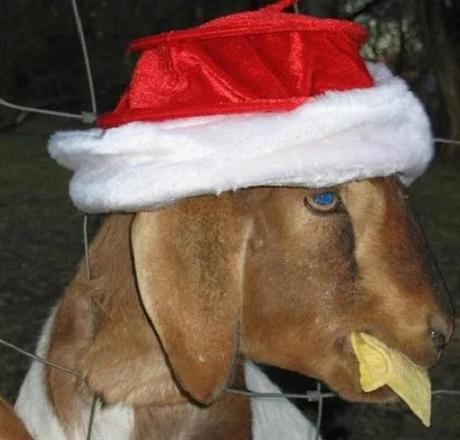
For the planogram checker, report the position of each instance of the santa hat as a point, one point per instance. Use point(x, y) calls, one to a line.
point(250, 99)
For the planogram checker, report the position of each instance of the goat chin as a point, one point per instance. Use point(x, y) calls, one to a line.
point(271, 419)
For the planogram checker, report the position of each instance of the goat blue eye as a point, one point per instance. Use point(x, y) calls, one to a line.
point(325, 199)
point(322, 202)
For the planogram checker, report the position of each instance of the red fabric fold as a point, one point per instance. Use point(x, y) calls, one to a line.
point(252, 62)
point(280, 5)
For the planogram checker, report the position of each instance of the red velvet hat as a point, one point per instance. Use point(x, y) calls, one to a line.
point(252, 99)
point(261, 61)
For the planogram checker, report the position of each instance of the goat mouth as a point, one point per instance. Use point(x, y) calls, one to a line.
point(381, 395)
point(380, 365)
point(355, 392)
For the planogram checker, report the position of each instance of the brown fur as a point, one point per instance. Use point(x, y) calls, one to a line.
point(227, 419)
point(361, 269)
point(11, 427)
point(178, 293)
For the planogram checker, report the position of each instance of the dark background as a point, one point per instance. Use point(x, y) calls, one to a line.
point(40, 232)
point(40, 53)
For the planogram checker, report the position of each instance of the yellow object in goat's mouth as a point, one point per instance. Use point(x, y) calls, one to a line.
point(379, 365)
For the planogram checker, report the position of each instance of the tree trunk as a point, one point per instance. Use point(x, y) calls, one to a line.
point(435, 25)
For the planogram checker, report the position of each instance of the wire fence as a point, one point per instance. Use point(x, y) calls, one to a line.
point(90, 117)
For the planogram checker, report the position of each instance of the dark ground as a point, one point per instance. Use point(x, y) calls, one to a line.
point(40, 245)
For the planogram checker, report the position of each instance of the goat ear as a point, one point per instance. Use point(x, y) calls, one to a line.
point(189, 262)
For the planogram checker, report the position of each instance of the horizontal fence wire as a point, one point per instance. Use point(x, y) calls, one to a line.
point(311, 396)
point(446, 141)
point(38, 358)
point(86, 117)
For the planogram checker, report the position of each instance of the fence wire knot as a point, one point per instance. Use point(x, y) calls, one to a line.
point(88, 117)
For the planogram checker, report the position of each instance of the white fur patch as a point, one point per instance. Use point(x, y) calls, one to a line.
point(33, 406)
point(271, 419)
point(334, 138)
point(274, 419)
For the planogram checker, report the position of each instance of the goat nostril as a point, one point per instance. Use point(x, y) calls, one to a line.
point(439, 340)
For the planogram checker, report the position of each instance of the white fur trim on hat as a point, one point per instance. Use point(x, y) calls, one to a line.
point(334, 138)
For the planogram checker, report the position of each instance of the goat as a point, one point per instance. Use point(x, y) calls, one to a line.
point(183, 297)
point(11, 427)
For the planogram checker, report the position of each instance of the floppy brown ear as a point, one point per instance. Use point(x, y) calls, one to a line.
point(189, 262)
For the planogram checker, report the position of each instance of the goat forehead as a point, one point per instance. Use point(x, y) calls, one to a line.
point(366, 202)
point(382, 217)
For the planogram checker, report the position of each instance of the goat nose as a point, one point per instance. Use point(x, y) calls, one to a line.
point(439, 339)
point(440, 330)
